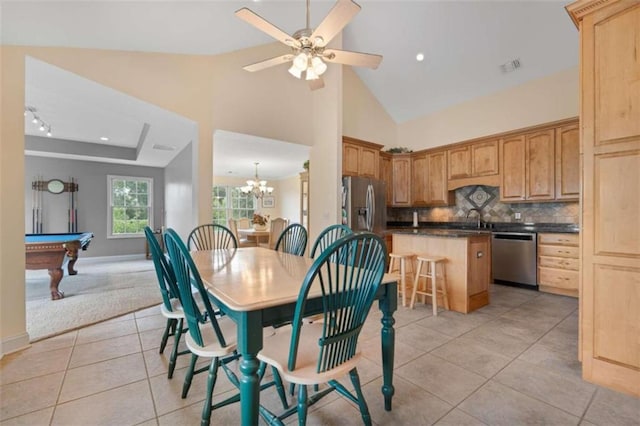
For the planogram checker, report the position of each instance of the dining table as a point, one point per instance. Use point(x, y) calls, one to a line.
point(255, 235)
point(258, 287)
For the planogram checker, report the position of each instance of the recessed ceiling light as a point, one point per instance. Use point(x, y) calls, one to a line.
point(104, 138)
point(420, 57)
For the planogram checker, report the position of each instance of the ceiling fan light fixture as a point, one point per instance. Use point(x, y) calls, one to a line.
point(294, 71)
point(319, 67)
point(311, 74)
point(301, 61)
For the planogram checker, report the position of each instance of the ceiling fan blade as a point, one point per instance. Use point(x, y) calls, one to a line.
point(347, 57)
point(267, 27)
point(268, 63)
point(316, 84)
point(339, 16)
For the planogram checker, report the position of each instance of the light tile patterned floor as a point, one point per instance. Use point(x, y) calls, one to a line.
point(510, 363)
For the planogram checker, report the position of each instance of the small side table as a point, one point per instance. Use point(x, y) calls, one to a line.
point(159, 239)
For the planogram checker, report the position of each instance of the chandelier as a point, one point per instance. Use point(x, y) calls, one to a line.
point(256, 187)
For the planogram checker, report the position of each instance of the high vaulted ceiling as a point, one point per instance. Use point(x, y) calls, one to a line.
point(464, 42)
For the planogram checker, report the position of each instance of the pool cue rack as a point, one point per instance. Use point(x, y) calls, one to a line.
point(54, 186)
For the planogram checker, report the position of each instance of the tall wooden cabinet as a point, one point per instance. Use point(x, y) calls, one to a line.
point(568, 162)
point(304, 199)
point(437, 193)
point(610, 208)
point(540, 165)
point(386, 175)
point(401, 177)
point(512, 164)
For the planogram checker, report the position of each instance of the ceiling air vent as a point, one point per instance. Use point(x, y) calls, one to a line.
point(510, 66)
point(164, 147)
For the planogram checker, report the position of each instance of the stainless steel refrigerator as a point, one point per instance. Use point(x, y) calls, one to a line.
point(363, 204)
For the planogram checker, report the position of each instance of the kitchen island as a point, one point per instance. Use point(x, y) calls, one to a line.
point(468, 266)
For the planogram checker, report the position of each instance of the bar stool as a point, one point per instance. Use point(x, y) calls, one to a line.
point(431, 263)
point(398, 265)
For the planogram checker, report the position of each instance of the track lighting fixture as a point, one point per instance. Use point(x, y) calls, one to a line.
point(42, 125)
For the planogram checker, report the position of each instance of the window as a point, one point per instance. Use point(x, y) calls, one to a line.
point(229, 202)
point(130, 204)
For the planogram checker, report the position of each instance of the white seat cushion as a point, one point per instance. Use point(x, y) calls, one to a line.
point(176, 311)
point(276, 353)
point(211, 347)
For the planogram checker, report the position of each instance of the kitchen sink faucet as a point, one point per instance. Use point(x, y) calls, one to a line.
point(479, 216)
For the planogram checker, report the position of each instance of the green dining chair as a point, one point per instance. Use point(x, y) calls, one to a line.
point(171, 307)
point(328, 236)
point(210, 336)
point(293, 240)
point(321, 352)
point(211, 236)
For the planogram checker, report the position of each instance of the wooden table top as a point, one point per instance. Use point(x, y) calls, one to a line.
point(252, 232)
point(253, 278)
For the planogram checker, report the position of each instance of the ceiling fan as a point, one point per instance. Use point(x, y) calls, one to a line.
point(308, 46)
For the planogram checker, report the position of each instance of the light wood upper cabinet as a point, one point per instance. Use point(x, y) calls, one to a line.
point(368, 165)
point(386, 174)
point(610, 200)
point(350, 159)
point(540, 166)
point(437, 193)
point(360, 158)
point(401, 176)
point(419, 180)
point(473, 160)
point(528, 167)
point(459, 162)
point(568, 163)
point(484, 158)
point(512, 166)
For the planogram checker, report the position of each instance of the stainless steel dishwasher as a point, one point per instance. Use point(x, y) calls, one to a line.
point(513, 258)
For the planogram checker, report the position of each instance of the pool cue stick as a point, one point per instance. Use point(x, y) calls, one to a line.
point(33, 207)
point(41, 209)
point(70, 208)
point(75, 204)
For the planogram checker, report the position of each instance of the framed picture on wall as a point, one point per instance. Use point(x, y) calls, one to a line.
point(269, 202)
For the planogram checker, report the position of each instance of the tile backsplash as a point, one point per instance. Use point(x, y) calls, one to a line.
point(487, 199)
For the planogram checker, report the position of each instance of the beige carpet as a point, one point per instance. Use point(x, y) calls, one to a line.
point(101, 290)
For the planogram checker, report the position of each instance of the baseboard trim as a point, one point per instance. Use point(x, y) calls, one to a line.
point(115, 258)
point(14, 344)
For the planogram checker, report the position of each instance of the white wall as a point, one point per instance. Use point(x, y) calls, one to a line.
point(180, 210)
point(289, 199)
point(93, 209)
point(285, 191)
point(536, 102)
point(363, 117)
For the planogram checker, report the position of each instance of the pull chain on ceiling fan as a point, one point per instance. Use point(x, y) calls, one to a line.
point(308, 47)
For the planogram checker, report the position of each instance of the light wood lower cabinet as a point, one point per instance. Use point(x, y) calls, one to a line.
point(468, 265)
point(558, 263)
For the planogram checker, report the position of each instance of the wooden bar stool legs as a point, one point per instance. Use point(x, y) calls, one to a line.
point(398, 265)
point(432, 264)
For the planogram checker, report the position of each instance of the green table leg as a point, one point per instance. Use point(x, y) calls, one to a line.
point(388, 305)
point(249, 344)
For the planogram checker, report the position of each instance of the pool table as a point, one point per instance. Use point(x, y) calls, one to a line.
point(52, 252)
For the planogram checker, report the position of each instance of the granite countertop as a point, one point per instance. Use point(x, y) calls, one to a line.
point(448, 233)
point(462, 227)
